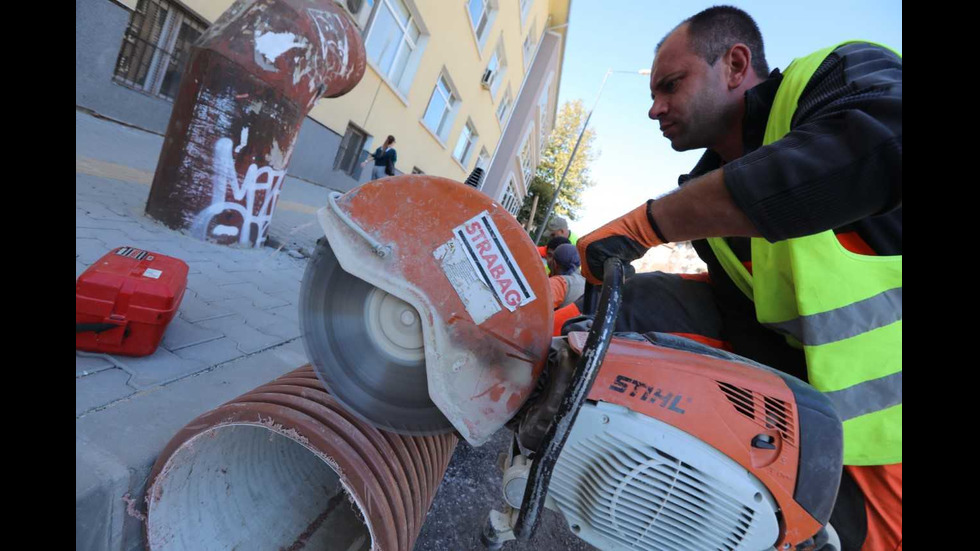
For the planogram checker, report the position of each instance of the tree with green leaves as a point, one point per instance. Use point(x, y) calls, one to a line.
point(555, 156)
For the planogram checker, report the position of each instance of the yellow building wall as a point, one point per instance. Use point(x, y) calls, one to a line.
point(377, 108)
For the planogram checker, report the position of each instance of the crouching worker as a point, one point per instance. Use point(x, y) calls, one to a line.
point(567, 284)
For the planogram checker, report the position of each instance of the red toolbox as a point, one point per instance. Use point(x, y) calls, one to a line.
point(124, 301)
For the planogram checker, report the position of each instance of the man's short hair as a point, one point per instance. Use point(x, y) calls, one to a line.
point(713, 31)
point(556, 242)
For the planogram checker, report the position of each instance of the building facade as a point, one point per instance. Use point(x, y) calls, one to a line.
point(460, 84)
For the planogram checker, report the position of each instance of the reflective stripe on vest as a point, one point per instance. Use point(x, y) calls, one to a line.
point(843, 309)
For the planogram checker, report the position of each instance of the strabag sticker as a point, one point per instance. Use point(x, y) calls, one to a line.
point(479, 300)
point(152, 274)
point(492, 259)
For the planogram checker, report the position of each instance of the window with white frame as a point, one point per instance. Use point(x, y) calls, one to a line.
point(483, 161)
point(510, 202)
point(525, 4)
point(529, 44)
point(466, 144)
point(442, 108)
point(544, 114)
point(155, 47)
point(504, 108)
point(527, 159)
point(482, 14)
point(394, 43)
point(498, 67)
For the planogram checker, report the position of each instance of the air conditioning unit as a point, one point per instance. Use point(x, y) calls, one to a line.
point(487, 79)
point(359, 10)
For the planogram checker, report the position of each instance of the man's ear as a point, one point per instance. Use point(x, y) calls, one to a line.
point(739, 59)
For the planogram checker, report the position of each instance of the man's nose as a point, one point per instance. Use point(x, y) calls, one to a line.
point(657, 109)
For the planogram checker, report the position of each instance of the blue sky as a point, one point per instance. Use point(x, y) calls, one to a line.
point(635, 161)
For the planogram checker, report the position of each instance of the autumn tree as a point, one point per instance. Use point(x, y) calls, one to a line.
point(554, 158)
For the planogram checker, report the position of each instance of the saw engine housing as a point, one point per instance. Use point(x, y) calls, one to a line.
point(681, 446)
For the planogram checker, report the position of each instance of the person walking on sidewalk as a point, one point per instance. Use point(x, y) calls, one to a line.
point(384, 160)
point(796, 208)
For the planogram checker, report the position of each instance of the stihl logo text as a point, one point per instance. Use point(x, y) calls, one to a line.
point(648, 393)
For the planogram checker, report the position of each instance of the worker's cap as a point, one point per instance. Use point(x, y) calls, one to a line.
point(557, 223)
point(566, 256)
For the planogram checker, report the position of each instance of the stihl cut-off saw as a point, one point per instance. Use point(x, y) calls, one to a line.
point(426, 310)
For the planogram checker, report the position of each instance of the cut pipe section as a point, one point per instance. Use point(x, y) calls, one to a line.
point(286, 467)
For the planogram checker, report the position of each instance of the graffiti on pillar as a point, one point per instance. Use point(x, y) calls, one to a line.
point(334, 52)
point(238, 209)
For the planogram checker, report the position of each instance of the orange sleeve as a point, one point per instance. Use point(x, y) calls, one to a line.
point(564, 314)
point(558, 289)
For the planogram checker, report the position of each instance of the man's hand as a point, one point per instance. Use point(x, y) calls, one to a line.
point(627, 238)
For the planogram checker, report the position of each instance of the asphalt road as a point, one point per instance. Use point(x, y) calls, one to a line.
point(470, 488)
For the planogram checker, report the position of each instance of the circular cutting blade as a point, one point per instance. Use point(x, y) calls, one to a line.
point(366, 347)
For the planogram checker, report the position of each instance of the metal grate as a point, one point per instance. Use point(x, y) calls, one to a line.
point(156, 46)
point(643, 498)
point(765, 411)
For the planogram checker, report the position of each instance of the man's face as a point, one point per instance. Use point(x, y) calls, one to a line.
point(691, 99)
point(559, 233)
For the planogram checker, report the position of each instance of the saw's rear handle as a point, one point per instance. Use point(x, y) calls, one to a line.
point(585, 374)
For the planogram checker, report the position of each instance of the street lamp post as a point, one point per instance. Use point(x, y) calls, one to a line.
point(571, 158)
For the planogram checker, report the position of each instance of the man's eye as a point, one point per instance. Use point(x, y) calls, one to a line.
point(670, 86)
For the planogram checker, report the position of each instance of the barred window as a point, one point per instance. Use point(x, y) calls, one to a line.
point(156, 46)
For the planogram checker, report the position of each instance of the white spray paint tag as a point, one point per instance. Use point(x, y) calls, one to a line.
point(478, 299)
point(152, 274)
point(491, 258)
point(273, 45)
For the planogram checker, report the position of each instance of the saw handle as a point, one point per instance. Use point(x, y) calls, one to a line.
point(590, 299)
point(585, 373)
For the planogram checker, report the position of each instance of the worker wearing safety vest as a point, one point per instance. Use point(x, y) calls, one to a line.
point(796, 208)
point(557, 227)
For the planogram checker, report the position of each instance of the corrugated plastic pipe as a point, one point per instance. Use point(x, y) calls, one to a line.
point(286, 467)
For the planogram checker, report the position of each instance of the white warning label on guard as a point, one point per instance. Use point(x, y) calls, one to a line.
point(492, 259)
point(477, 298)
point(153, 274)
